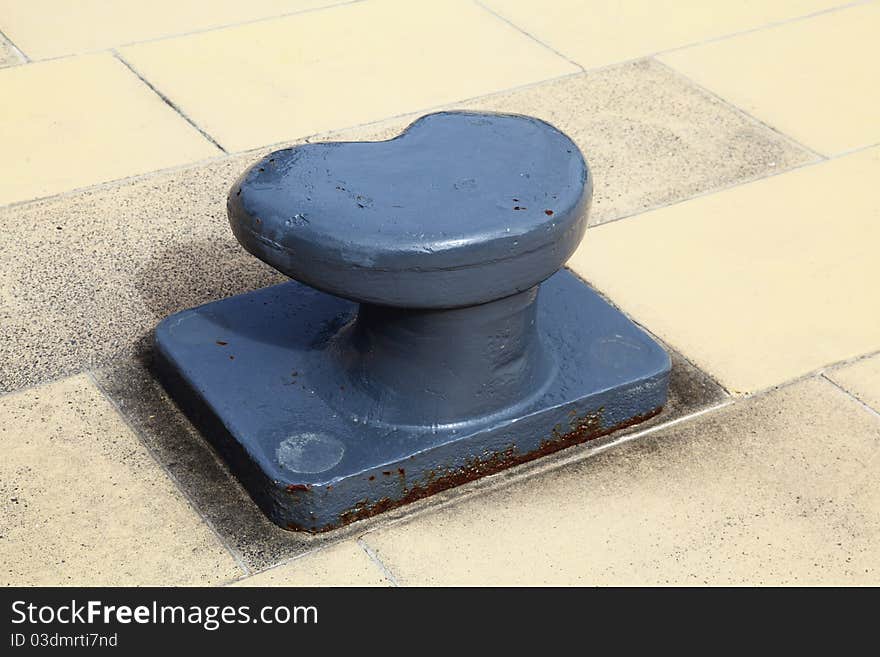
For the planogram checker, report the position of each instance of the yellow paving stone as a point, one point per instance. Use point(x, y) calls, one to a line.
point(862, 379)
point(777, 489)
point(277, 80)
point(343, 564)
point(74, 122)
point(757, 284)
point(83, 502)
point(815, 80)
point(53, 28)
point(599, 33)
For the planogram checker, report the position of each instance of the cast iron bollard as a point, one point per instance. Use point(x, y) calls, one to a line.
point(428, 357)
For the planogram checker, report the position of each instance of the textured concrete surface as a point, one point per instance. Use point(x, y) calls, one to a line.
point(53, 28)
point(861, 379)
point(599, 33)
point(343, 564)
point(758, 284)
point(780, 489)
point(224, 503)
point(825, 96)
point(76, 122)
point(650, 137)
point(395, 56)
point(95, 271)
point(84, 503)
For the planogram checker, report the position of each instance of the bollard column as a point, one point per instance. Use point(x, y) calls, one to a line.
point(427, 338)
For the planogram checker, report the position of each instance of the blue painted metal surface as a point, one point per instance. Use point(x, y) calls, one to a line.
point(462, 208)
point(446, 360)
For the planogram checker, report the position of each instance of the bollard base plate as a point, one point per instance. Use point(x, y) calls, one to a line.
point(240, 368)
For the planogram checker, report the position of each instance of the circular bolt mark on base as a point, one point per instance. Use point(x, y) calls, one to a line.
point(310, 453)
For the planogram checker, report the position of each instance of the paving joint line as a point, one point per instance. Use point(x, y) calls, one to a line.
point(807, 376)
point(873, 411)
point(168, 101)
point(216, 28)
point(532, 470)
point(738, 183)
point(583, 452)
point(18, 51)
point(587, 452)
point(306, 139)
point(739, 110)
point(284, 562)
point(229, 155)
point(766, 26)
point(451, 104)
point(708, 192)
point(833, 367)
point(521, 30)
point(455, 103)
point(346, 3)
point(377, 561)
point(666, 343)
point(236, 556)
point(548, 467)
point(484, 485)
point(109, 184)
point(46, 382)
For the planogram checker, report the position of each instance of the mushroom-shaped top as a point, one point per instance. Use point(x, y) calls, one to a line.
point(461, 208)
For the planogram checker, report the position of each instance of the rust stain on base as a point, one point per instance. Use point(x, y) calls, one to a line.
point(584, 429)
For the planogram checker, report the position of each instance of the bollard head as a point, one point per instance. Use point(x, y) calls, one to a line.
point(462, 208)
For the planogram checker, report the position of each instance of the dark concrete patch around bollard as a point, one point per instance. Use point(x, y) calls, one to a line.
point(207, 482)
point(428, 341)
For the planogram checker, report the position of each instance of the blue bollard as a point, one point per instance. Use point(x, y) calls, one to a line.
point(428, 337)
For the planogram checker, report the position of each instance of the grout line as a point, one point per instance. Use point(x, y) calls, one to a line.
point(735, 184)
point(215, 28)
point(582, 453)
point(345, 3)
point(230, 155)
point(377, 561)
point(846, 392)
point(287, 561)
point(119, 182)
point(18, 51)
point(168, 101)
point(819, 371)
point(766, 26)
point(851, 361)
point(854, 150)
point(236, 556)
point(812, 374)
point(739, 110)
point(644, 432)
point(453, 104)
point(707, 192)
point(227, 156)
point(46, 382)
point(534, 469)
point(528, 34)
point(663, 341)
point(326, 545)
